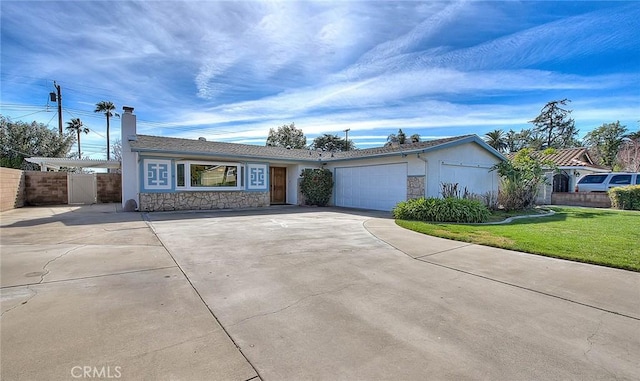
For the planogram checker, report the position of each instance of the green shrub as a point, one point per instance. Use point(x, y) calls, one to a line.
point(442, 210)
point(316, 186)
point(521, 177)
point(625, 197)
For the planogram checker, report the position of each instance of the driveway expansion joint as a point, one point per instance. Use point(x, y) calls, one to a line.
point(530, 289)
point(291, 304)
point(444, 251)
point(425, 260)
point(147, 221)
point(87, 277)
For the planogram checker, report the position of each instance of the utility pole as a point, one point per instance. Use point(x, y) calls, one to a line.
point(59, 99)
point(346, 139)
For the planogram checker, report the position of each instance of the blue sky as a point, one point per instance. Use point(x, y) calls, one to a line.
point(229, 71)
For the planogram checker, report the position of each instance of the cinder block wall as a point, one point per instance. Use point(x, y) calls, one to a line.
point(12, 188)
point(592, 199)
point(46, 188)
point(109, 187)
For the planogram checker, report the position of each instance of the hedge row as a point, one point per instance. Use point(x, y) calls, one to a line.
point(625, 197)
point(442, 210)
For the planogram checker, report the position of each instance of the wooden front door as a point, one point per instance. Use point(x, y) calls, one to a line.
point(278, 185)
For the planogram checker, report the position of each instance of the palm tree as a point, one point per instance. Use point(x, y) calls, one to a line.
point(106, 107)
point(77, 126)
point(496, 139)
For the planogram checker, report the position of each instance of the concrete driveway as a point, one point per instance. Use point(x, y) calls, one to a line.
point(297, 293)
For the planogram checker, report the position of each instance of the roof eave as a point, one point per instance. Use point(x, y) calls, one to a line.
point(224, 155)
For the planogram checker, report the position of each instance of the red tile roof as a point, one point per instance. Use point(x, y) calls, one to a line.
point(567, 157)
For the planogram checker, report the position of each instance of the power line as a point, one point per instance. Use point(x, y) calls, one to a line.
point(54, 115)
point(35, 112)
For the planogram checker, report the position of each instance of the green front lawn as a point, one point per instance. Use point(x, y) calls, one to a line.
point(600, 236)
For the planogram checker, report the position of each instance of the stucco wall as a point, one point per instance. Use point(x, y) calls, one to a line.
point(470, 158)
point(154, 202)
point(11, 188)
point(45, 188)
point(109, 187)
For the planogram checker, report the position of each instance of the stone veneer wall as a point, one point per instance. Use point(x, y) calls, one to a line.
point(11, 188)
point(156, 202)
point(109, 186)
point(415, 187)
point(46, 188)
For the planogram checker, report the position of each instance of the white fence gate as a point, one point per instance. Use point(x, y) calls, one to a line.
point(83, 188)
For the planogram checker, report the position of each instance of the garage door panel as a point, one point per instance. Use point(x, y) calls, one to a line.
point(378, 187)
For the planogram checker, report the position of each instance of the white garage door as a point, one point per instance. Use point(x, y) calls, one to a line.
point(378, 187)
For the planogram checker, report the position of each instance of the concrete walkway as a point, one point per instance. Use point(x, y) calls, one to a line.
point(607, 289)
point(297, 294)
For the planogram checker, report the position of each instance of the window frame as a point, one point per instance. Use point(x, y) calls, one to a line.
point(619, 177)
point(187, 175)
point(601, 177)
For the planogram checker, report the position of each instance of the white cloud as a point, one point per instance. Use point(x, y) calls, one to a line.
point(234, 69)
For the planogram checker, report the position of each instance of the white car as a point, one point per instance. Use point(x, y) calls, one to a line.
point(602, 182)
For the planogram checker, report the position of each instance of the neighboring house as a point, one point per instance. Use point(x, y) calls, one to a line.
point(571, 165)
point(162, 173)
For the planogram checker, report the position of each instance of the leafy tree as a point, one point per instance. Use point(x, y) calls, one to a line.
point(106, 108)
point(629, 153)
point(497, 140)
point(287, 136)
point(605, 142)
point(555, 126)
point(332, 143)
point(77, 126)
point(116, 150)
point(521, 178)
point(20, 139)
point(512, 141)
point(526, 138)
point(400, 138)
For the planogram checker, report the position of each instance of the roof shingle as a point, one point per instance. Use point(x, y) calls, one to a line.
point(158, 144)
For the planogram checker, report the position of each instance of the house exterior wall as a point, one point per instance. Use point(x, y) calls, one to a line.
point(294, 196)
point(426, 172)
point(12, 188)
point(159, 191)
point(202, 200)
point(466, 164)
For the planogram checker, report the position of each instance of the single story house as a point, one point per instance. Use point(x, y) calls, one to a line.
point(162, 173)
point(571, 165)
